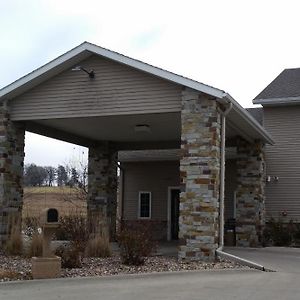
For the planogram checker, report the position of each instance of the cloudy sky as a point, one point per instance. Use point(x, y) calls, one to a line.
point(238, 46)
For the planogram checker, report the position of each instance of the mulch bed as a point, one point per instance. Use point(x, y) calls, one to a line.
point(19, 268)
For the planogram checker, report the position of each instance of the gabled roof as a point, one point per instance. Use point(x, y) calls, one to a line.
point(86, 49)
point(284, 89)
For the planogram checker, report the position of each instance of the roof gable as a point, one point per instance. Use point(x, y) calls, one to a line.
point(86, 49)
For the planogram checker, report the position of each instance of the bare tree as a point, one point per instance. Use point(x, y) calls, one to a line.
point(51, 175)
point(77, 169)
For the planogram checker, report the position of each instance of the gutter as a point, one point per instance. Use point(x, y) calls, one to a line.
point(277, 101)
point(121, 191)
point(248, 118)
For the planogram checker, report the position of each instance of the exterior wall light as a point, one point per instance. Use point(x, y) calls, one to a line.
point(272, 178)
point(284, 213)
point(91, 73)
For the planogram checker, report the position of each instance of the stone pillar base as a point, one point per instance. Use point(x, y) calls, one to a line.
point(46, 267)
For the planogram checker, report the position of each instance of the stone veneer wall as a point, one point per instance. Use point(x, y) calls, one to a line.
point(11, 172)
point(200, 177)
point(250, 195)
point(102, 185)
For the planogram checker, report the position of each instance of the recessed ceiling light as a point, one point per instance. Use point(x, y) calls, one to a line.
point(142, 128)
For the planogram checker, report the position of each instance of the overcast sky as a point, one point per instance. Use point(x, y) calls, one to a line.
point(238, 46)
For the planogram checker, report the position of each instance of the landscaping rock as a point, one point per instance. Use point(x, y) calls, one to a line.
point(18, 268)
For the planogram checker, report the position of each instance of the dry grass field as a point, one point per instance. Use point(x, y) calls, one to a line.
point(65, 199)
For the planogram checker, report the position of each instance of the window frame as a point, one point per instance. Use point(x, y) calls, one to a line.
point(139, 205)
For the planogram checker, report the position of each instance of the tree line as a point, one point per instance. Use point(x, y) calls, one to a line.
point(50, 176)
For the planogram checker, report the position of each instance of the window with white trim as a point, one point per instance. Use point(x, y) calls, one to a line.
point(144, 205)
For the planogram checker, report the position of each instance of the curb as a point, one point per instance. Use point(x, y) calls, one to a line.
point(242, 261)
point(124, 276)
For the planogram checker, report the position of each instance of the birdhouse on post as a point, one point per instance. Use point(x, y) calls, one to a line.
point(49, 265)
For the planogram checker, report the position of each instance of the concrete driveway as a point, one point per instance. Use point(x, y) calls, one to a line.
point(224, 284)
point(281, 259)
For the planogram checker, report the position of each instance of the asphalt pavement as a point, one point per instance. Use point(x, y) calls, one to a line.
point(280, 259)
point(208, 285)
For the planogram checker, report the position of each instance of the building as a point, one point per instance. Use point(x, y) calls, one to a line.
point(281, 118)
point(108, 102)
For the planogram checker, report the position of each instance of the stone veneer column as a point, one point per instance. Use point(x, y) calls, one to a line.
point(200, 177)
point(250, 195)
point(102, 185)
point(12, 137)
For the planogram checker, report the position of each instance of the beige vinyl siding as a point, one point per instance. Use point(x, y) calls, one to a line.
point(154, 177)
point(283, 160)
point(230, 187)
point(116, 89)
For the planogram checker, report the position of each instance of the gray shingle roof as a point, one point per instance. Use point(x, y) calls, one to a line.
point(285, 85)
point(257, 113)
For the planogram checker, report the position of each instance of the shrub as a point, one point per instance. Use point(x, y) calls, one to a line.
point(61, 234)
point(88, 237)
point(35, 246)
point(297, 232)
point(75, 229)
point(136, 243)
point(98, 246)
point(278, 233)
point(70, 256)
point(14, 244)
point(78, 229)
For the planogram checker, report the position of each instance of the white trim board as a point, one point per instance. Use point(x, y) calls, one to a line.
point(277, 101)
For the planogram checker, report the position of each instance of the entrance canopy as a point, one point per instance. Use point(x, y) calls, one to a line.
point(109, 102)
point(128, 102)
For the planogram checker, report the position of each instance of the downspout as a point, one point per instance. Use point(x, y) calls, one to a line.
point(219, 251)
point(222, 174)
point(121, 193)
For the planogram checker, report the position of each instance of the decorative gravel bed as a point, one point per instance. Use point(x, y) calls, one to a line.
point(14, 268)
point(18, 268)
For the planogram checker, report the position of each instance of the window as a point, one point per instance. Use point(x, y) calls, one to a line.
point(144, 205)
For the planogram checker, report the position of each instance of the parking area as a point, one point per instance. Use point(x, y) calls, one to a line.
point(280, 259)
point(193, 285)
